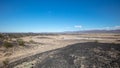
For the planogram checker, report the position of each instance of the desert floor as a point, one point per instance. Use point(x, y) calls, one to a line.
point(43, 43)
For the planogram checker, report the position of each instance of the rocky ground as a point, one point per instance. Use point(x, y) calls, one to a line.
point(80, 55)
point(44, 46)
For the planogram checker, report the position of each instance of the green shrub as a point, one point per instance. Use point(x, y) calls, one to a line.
point(7, 44)
point(31, 41)
point(20, 42)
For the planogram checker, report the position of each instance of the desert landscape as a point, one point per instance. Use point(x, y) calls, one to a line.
point(60, 50)
point(59, 33)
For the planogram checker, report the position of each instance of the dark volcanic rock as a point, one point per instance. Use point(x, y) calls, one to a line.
point(84, 55)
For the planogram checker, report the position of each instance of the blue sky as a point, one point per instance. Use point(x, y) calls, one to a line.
point(58, 15)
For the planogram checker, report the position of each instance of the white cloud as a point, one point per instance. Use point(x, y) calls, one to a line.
point(112, 28)
point(78, 26)
point(117, 27)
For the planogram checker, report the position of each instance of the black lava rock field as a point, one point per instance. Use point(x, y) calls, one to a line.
point(84, 55)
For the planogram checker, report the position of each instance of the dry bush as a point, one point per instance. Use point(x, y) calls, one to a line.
point(6, 62)
point(96, 41)
point(21, 42)
point(7, 44)
point(32, 41)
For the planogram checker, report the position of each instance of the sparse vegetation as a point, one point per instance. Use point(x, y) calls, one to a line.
point(7, 44)
point(31, 41)
point(6, 62)
point(21, 42)
point(1, 36)
point(98, 54)
point(96, 41)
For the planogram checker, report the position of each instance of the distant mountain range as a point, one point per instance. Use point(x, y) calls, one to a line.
point(95, 31)
point(67, 32)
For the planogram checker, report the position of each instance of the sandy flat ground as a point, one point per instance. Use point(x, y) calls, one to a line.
point(50, 42)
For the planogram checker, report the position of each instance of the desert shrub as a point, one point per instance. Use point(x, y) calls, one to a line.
point(6, 62)
point(31, 41)
point(20, 42)
point(1, 37)
point(7, 44)
point(96, 41)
